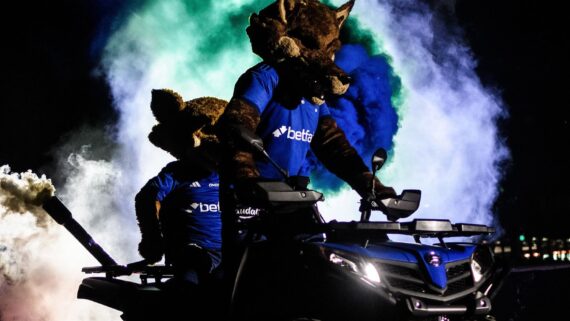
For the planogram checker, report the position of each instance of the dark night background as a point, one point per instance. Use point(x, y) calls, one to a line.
point(50, 89)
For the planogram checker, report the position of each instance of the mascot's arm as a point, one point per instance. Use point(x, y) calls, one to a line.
point(238, 162)
point(147, 210)
point(333, 149)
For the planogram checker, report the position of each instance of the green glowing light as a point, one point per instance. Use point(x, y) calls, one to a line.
point(521, 238)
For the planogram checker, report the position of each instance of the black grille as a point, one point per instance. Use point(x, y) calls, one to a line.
point(408, 277)
point(401, 271)
point(457, 270)
point(403, 277)
point(407, 285)
point(458, 278)
point(458, 286)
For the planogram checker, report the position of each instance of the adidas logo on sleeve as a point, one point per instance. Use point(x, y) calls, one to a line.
point(195, 184)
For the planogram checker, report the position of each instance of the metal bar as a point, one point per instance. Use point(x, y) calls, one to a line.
point(57, 210)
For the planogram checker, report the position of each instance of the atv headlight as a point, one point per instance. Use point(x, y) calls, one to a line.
point(343, 262)
point(371, 274)
point(366, 270)
point(481, 262)
point(476, 270)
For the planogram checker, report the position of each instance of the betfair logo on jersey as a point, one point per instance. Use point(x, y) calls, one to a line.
point(205, 207)
point(298, 135)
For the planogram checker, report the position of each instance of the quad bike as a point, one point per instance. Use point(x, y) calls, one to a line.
point(308, 269)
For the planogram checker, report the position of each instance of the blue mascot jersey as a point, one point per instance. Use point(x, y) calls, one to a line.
point(190, 209)
point(286, 132)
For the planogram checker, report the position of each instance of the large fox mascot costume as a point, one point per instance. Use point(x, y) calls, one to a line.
point(297, 40)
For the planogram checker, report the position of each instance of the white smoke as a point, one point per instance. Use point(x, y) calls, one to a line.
point(447, 144)
point(40, 262)
point(94, 192)
point(21, 194)
point(24, 192)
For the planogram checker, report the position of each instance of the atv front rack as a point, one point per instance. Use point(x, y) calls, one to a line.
point(429, 228)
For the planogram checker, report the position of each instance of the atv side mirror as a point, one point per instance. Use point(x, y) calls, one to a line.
point(378, 159)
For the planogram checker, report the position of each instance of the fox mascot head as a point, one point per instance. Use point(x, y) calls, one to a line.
point(185, 129)
point(300, 37)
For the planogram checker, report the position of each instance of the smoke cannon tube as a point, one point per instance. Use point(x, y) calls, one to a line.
point(55, 208)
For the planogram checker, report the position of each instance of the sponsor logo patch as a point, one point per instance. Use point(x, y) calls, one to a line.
point(206, 207)
point(247, 212)
point(303, 135)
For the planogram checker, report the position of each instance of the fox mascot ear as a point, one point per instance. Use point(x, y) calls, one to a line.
point(284, 45)
point(184, 126)
point(343, 11)
point(286, 6)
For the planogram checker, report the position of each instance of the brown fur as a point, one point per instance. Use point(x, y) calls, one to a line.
point(332, 148)
point(166, 105)
point(185, 126)
point(239, 163)
point(301, 38)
